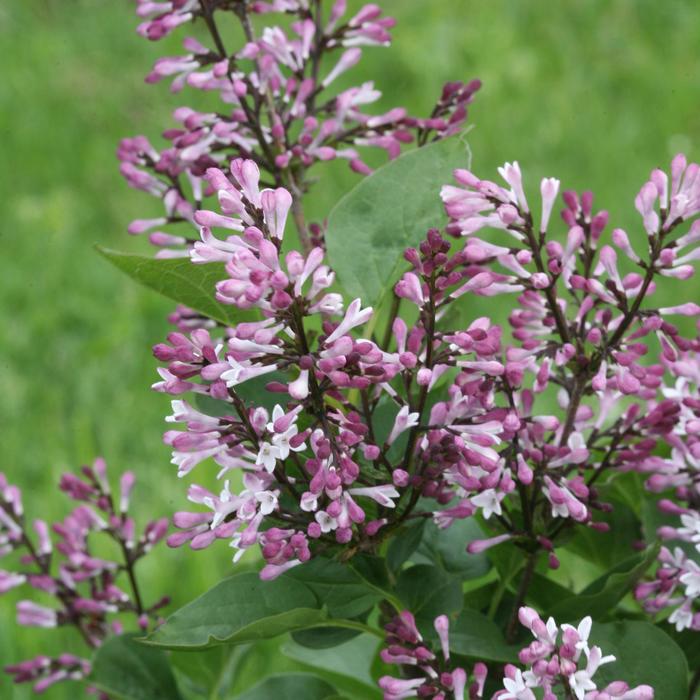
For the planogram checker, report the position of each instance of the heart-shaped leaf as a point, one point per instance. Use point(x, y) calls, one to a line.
point(182, 281)
point(126, 670)
point(241, 609)
point(386, 213)
point(645, 655)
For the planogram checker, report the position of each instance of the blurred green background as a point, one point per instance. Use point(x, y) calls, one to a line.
point(594, 92)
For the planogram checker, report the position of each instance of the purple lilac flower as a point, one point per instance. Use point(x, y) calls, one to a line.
point(279, 105)
point(429, 675)
point(59, 561)
point(487, 442)
point(559, 659)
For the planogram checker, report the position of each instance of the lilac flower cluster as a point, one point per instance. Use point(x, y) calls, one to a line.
point(486, 448)
point(430, 675)
point(566, 662)
point(86, 587)
point(279, 107)
point(580, 334)
point(676, 586)
point(307, 497)
point(559, 660)
point(346, 486)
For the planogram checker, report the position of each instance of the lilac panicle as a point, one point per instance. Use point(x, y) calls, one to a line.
point(280, 106)
point(331, 481)
point(90, 593)
point(578, 331)
point(559, 659)
point(582, 327)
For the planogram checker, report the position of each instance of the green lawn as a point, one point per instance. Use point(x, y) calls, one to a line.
point(596, 93)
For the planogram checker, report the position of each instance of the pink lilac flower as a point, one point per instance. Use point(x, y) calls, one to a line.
point(582, 326)
point(60, 562)
point(280, 108)
point(559, 659)
point(316, 468)
point(433, 676)
point(562, 658)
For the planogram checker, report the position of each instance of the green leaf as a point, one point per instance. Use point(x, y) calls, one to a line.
point(473, 634)
point(607, 591)
point(241, 609)
point(373, 571)
point(689, 641)
point(341, 589)
point(448, 548)
point(404, 544)
point(291, 686)
point(350, 664)
point(126, 670)
point(601, 549)
point(628, 488)
point(428, 592)
point(387, 212)
point(208, 672)
point(252, 392)
point(508, 559)
point(543, 592)
point(324, 637)
point(481, 597)
point(645, 656)
point(182, 281)
point(254, 664)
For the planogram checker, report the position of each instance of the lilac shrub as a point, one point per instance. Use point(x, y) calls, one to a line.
point(90, 593)
point(401, 465)
point(317, 478)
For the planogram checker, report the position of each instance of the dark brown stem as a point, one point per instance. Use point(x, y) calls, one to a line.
point(129, 567)
point(314, 388)
point(632, 313)
point(656, 248)
point(422, 399)
point(213, 29)
point(559, 319)
point(579, 389)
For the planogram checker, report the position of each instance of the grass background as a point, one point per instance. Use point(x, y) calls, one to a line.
point(596, 93)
